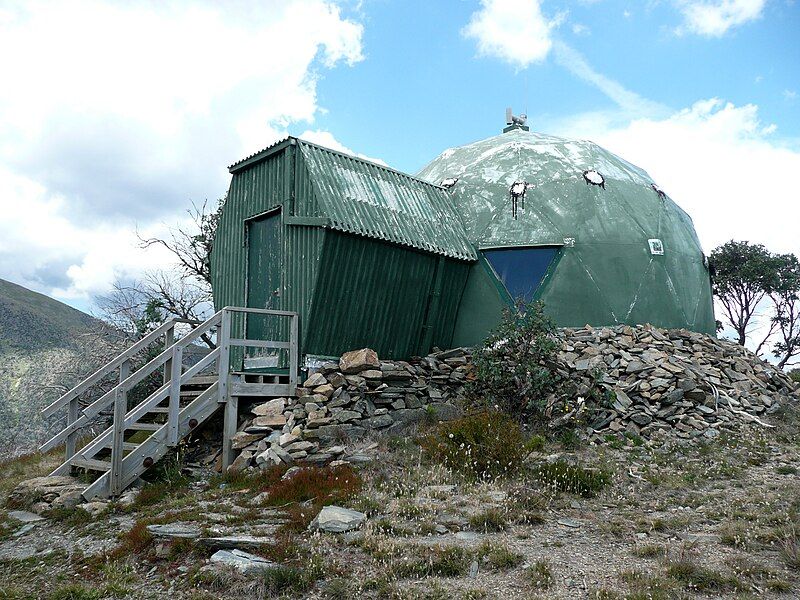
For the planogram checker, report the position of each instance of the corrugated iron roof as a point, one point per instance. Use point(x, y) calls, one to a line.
point(365, 198)
point(258, 156)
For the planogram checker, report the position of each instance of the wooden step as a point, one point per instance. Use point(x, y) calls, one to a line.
point(90, 463)
point(125, 446)
point(145, 426)
point(201, 380)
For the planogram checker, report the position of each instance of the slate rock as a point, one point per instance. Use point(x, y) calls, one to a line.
point(359, 360)
point(335, 519)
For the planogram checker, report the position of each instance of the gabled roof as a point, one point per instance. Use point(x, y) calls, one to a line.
point(365, 198)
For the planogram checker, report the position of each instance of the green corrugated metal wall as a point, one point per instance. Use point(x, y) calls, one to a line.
point(350, 290)
point(374, 294)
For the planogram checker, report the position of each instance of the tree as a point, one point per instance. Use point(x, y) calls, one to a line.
point(192, 247)
point(137, 307)
point(140, 306)
point(785, 296)
point(744, 274)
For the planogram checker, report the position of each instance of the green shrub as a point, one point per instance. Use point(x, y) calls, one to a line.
point(514, 367)
point(574, 479)
point(484, 445)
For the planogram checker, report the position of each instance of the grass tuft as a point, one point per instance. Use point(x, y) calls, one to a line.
point(491, 520)
point(573, 479)
point(539, 575)
point(481, 446)
point(701, 579)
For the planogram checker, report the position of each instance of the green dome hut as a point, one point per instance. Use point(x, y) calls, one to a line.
point(575, 226)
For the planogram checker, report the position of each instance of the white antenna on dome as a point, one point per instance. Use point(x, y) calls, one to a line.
point(515, 121)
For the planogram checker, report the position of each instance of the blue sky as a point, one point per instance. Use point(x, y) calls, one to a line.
point(116, 116)
point(423, 86)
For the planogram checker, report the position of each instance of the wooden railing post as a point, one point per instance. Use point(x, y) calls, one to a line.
point(174, 396)
point(72, 438)
point(118, 430)
point(224, 354)
point(231, 404)
point(293, 353)
point(169, 339)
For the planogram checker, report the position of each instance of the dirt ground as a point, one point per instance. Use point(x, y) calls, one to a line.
point(623, 519)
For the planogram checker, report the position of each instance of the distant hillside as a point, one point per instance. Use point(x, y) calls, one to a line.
point(41, 354)
point(30, 321)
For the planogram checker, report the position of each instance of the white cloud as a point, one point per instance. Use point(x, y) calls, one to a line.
point(627, 100)
point(719, 162)
point(515, 31)
point(790, 95)
point(713, 18)
point(118, 113)
point(327, 139)
point(580, 29)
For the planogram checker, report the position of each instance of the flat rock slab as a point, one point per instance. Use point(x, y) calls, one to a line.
point(24, 529)
point(60, 491)
point(467, 536)
point(335, 519)
point(235, 541)
point(244, 562)
point(25, 516)
point(175, 530)
point(567, 522)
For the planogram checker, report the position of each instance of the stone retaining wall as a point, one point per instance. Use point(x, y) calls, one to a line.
point(653, 382)
point(346, 400)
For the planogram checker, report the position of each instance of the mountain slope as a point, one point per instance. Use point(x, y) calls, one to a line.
point(30, 321)
point(42, 353)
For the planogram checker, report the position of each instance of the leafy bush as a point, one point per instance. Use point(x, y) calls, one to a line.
point(515, 366)
point(795, 375)
point(484, 445)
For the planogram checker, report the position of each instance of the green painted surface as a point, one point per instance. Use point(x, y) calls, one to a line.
point(373, 294)
point(609, 275)
point(368, 199)
point(356, 277)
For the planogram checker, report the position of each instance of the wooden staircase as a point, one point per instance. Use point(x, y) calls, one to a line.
point(139, 436)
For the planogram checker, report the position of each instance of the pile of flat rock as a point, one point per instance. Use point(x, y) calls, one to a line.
point(653, 382)
point(347, 400)
point(674, 382)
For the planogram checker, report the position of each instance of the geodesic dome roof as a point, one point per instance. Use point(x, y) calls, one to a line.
point(628, 253)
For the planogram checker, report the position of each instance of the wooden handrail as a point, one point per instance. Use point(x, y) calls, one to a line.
point(96, 407)
point(138, 411)
point(174, 377)
point(260, 311)
point(107, 369)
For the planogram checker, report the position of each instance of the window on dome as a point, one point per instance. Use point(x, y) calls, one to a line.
point(521, 269)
